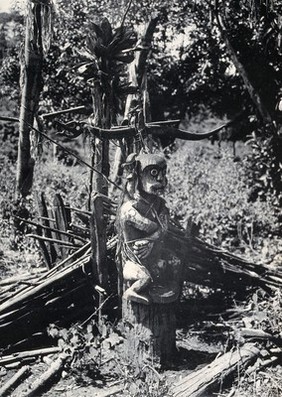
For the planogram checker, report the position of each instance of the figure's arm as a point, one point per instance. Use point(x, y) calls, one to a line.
point(143, 247)
point(140, 222)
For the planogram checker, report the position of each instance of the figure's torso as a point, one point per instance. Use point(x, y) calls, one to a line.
point(141, 220)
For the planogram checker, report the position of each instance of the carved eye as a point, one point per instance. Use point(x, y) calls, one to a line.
point(154, 172)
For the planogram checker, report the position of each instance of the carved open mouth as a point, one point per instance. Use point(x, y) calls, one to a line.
point(158, 189)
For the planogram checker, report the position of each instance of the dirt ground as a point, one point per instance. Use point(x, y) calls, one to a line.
point(79, 382)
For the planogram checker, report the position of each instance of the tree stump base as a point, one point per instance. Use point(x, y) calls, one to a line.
point(151, 332)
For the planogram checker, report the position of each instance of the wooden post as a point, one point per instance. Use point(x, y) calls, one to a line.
point(99, 247)
point(100, 157)
point(98, 241)
point(150, 331)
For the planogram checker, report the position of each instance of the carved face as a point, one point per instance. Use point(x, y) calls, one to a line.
point(152, 173)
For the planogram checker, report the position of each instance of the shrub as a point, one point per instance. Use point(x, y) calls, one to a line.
point(209, 186)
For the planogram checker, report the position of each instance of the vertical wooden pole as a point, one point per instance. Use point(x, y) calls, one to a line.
point(137, 78)
point(98, 184)
point(100, 148)
point(98, 246)
point(98, 241)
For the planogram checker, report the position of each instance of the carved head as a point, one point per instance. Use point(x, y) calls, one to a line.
point(152, 173)
point(145, 172)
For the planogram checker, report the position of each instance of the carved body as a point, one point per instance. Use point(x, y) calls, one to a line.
point(143, 223)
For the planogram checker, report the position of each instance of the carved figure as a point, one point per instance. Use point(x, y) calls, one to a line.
point(142, 223)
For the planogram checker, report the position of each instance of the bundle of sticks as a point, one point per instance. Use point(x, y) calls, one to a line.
point(208, 265)
point(64, 294)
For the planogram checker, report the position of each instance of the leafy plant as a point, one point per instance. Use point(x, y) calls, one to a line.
point(78, 344)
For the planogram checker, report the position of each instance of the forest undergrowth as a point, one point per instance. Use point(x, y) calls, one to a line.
point(206, 183)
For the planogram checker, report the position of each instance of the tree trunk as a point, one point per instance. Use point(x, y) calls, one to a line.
point(254, 94)
point(31, 85)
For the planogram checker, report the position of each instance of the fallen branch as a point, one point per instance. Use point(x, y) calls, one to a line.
point(261, 364)
point(4, 360)
point(199, 382)
point(48, 375)
point(14, 381)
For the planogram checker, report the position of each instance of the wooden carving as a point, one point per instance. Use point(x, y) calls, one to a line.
point(149, 273)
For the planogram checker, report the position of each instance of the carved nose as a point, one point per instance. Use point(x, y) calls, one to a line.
point(160, 177)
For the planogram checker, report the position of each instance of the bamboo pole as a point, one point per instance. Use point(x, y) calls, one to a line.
point(65, 111)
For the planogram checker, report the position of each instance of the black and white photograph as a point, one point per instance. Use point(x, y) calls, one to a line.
point(140, 198)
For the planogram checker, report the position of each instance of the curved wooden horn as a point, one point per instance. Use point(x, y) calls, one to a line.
point(158, 130)
point(183, 134)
